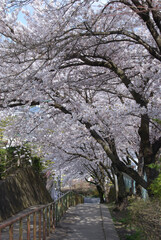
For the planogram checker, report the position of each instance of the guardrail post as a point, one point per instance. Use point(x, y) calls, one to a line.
point(51, 218)
point(66, 202)
point(44, 225)
point(54, 216)
point(61, 205)
point(63, 202)
point(75, 199)
point(40, 225)
point(20, 229)
point(56, 213)
point(59, 210)
point(70, 199)
point(73, 195)
point(34, 225)
point(28, 227)
point(10, 232)
point(48, 216)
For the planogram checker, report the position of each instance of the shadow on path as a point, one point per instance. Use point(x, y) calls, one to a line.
point(88, 221)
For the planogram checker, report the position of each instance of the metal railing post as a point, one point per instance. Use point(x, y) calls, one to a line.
point(11, 232)
point(51, 217)
point(28, 227)
point(44, 225)
point(54, 217)
point(20, 229)
point(47, 216)
point(56, 213)
point(39, 224)
point(34, 226)
point(48, 226)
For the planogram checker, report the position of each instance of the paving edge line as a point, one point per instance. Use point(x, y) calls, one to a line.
point(111, 234)
point(103, 228)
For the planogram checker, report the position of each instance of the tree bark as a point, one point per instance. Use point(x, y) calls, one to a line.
point(121, 200)
point(147, 153)
point(101, 194)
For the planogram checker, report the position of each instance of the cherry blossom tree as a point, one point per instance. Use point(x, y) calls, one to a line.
point(99, 63)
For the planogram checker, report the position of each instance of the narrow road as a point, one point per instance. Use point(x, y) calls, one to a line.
point(89, 221)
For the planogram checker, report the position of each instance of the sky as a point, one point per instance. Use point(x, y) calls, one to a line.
point(21, 16)
point(29, 8)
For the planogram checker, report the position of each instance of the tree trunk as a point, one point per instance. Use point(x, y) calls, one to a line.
point(121, 201)
point(147, 153)
point(140, 172)
point(151, 174)
point(101, 194)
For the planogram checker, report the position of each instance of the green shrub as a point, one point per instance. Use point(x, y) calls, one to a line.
point(2, 162)
point(135, 236)
point(146, 215)
point(156, 184)
point(37, 164)
point(14, 157)
point(94, 193)
point(156, 187)
point(112, 194)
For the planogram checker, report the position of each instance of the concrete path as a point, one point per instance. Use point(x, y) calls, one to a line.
point(86, 222)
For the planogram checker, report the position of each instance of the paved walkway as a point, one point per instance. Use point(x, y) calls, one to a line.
point(86, 222)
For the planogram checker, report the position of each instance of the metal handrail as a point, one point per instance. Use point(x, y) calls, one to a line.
point(48, 217)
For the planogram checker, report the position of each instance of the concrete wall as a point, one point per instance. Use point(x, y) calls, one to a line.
point(20, 191)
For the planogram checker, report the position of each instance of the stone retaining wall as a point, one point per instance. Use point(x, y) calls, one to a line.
point(22, 190)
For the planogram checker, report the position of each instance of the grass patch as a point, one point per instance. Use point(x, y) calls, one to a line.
point(135, 236)
point(146, 215)
point(123, 224)
point(140, 221)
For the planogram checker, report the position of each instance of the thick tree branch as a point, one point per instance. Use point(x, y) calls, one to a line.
point(108, 173)
point(144, 13)
point(95, 61)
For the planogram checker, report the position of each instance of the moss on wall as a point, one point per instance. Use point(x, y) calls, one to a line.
point(22, 190)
